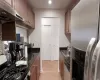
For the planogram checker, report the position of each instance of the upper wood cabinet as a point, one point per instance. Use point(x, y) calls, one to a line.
point(9, 2)
point(71, 5)
point(67, 24)
point(31, 17)
point(23, 8)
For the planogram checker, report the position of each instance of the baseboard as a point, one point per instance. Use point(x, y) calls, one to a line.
point(41, 71)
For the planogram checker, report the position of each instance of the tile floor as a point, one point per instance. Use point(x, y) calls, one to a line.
point(50, 71)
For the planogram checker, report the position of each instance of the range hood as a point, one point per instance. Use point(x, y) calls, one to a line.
point(8, 14)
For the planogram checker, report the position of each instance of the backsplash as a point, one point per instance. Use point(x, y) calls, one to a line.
point(0, 40)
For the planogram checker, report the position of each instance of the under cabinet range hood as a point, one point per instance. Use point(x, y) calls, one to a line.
point(18, 17)
point(8, 14)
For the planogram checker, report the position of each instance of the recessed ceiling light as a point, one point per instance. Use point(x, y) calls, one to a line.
point(49, 2)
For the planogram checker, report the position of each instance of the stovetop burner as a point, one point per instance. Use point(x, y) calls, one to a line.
point(18, 76)
point(13, 76)
point(13, 73)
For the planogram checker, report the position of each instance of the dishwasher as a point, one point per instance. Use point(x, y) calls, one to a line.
point(67, 74)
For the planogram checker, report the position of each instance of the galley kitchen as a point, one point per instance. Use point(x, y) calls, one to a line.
point(49, 39)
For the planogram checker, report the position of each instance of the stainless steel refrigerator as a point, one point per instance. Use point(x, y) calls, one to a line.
point(92, 58)
point(86, 36)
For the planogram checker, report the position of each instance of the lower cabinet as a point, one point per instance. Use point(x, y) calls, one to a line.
point(61, 66)
point(38, 67)
point(34, 73)
point(35, 69)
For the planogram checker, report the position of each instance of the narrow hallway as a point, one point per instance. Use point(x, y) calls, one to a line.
point(50, 71)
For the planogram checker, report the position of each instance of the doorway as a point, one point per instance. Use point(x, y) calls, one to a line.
point(50, 39)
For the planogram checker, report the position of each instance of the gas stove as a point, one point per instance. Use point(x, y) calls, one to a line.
point(13, 73)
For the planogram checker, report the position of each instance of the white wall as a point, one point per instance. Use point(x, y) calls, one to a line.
point(84, 22)
point(35, 37)
point(2, 59)
point(50, 38)
point(22, 31)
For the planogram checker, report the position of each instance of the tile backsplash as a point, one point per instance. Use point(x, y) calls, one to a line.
point(0, 40)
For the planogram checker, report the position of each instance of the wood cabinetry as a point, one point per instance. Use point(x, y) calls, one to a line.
point(33, 73)
point(61, 66)
point(67, 24)
point(9, 31)
point(71, 5)
point(35, 69)
point(21, 7)
point(24, 10)
point(9, 2)
point(31, 18)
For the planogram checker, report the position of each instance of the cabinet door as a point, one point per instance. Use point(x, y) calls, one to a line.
point(31, 17)
point(21, 8)
point(9, 31)
point(35, 69)
point(32, 21)
point(9, 2)
point(38, 67)
point(33, 73)
point(61, 65)
point(67, 22)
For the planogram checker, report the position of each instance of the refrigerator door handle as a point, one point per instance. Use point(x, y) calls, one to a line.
point(97, 68)
point(95, 58)
point(89, 51)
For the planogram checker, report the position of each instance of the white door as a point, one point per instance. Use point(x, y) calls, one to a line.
point(46, 43)
point(55, 42)
point(50, 38)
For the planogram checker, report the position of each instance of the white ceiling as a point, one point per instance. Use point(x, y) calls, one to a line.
point(56, 4)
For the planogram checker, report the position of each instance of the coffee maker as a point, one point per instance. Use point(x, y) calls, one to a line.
point(16, 50)
point(12, 51)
